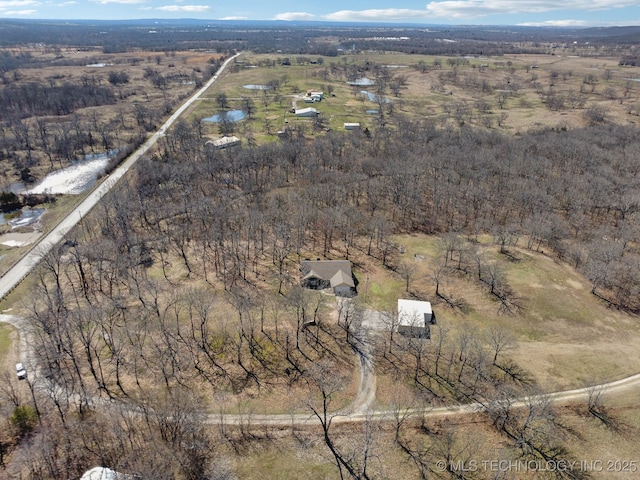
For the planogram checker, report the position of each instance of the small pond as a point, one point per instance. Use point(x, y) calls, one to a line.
point(230, 116)
point(27, 217)
point(372, 112)
point(374, 98)
point(362, 82)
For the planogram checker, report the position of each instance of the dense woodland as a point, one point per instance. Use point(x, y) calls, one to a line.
point(570, 193)
point(305, 38)
point(187, 277)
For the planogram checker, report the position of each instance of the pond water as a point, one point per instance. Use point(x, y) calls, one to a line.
point(256, 87)
point(73, 179)
point(362, 82)
point(27, 217)
point(231, 116)
point(374, 98)
point(372, 112)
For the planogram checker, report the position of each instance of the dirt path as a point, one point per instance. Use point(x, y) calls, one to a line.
point(360, 410)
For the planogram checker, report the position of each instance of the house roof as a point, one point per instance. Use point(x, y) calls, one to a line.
point(337, 272)
point(413, 313)
point(100, 473)
point(224, 142)
point(306, 111)
point(342, 279)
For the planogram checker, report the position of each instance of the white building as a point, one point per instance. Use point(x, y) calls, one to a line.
point(224, 142)
point(101, 473)
point(306, 112)
point(415, 318)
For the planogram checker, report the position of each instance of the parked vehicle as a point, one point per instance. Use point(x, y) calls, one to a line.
point(21, 371)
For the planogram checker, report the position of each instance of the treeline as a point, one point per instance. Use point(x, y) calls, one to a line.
point(570, 193)
point(41, 99)
point(303, 38)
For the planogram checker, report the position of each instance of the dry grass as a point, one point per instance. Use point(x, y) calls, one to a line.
point(566, 335)
point(438, 91)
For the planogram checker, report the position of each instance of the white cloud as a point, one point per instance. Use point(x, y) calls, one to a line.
point(184, 8)
point(480, 8)
point(557, 23)
point(233, 18)
point(376, 15)
point(4, 4)
point(127, 2)
point(20, 12)
point(579, 23)
point(291, 16)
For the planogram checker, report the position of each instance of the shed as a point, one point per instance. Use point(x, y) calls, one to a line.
point(224, 142)
point(306, 112)
point(101, 473)
point(351, 126)
point(415, 318)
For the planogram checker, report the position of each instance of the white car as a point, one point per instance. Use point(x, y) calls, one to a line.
point(21, 371)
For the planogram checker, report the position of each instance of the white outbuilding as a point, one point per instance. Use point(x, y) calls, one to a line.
point(306, 112)
point(415, 318)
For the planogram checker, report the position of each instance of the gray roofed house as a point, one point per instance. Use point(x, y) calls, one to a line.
point(335, 274)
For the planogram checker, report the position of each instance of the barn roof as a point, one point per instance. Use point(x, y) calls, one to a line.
point(413, 313)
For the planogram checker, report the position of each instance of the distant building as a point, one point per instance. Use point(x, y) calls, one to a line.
point(101, 473)
point(224, 142)
point(315, 96)
point(306, 112)
point(351, 126)
point(334, 274)
point(415, 318)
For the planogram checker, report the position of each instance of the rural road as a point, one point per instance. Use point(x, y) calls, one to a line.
point(360, 409)
point(24, 266)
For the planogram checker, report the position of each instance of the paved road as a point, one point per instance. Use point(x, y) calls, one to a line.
point(23, 267)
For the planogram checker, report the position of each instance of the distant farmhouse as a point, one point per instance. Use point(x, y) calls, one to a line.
point(334, 274)
point(415, 318)
point(306, 112)
point(313, 96)
point(224, 142)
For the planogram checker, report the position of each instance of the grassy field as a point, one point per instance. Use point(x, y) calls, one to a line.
point(512, 93)
point(566, 336)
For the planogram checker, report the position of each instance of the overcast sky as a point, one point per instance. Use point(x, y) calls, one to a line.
point(476, 12)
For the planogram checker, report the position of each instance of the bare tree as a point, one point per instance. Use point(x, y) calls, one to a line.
point(326, 382)
point(500, 341)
